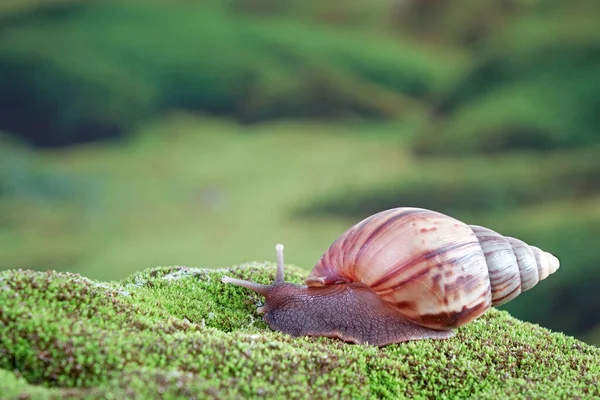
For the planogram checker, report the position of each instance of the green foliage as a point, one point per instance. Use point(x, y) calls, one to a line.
point(95, 70)
point(23, 176)
point(455, 22)
point(175, 193)
point(532, 86)
point(473, 186)
point(177, 331)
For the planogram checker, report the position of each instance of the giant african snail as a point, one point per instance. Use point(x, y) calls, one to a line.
point(402, 274)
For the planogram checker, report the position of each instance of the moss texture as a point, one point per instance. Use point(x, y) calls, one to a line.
point(174, 332)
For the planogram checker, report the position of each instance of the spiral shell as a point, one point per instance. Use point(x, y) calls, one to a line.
point(437, 271)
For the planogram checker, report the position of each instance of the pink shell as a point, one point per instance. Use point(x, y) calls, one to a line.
point(439, 272)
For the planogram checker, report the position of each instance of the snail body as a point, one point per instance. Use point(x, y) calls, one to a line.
point(403, 274)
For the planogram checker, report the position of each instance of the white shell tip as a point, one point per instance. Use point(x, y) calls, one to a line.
point(553, 263)
point(279, 247)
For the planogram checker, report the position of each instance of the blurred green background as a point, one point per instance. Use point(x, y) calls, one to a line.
point(202, 132)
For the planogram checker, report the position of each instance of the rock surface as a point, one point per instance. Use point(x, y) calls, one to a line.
point(179, 332)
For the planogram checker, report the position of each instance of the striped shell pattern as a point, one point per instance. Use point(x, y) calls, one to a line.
point(437, 271)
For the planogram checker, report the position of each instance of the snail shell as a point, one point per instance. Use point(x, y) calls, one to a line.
point(435, 270)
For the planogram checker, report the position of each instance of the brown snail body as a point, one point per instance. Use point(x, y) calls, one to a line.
point(403, 274)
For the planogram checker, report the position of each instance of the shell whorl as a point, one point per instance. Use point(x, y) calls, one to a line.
point(437, 271)
point(514, 266)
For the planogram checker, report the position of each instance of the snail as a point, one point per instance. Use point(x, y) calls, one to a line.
point(402, 274)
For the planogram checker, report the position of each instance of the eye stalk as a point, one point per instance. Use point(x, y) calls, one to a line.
point(279, 278)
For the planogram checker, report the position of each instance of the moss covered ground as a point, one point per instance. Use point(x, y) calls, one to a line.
point(172, 332)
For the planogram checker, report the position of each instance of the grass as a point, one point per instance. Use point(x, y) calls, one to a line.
point(474, 186)
point(177, 331)
point(197, 192)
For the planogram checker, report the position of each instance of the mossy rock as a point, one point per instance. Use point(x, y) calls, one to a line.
point(178, 332)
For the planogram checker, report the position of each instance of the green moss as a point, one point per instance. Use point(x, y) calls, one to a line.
point(177, 331)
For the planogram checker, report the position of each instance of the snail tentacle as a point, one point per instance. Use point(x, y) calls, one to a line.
point(257, 287)
point(279, 275)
